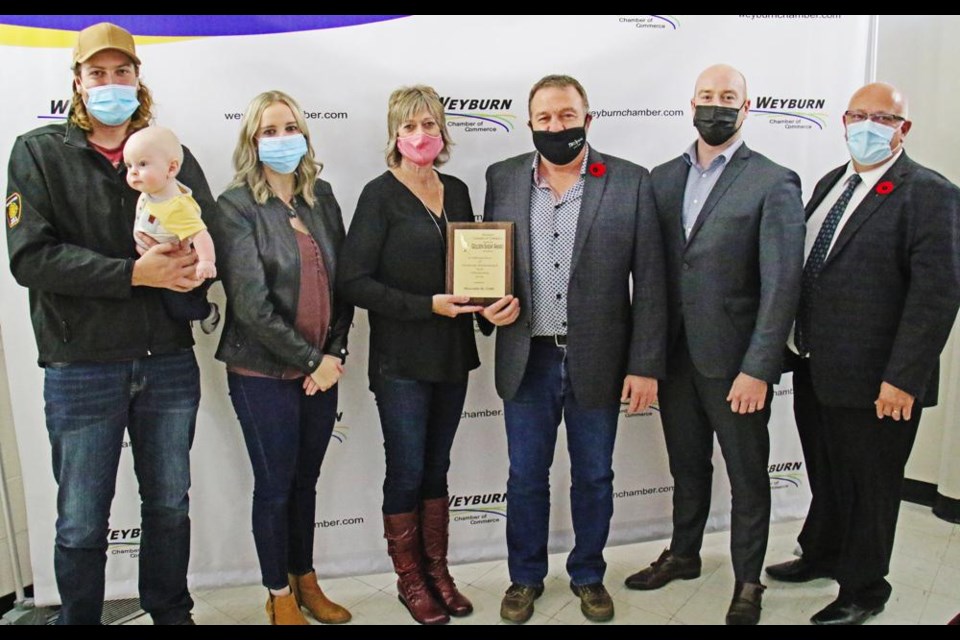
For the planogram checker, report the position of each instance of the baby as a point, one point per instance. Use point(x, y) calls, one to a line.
point(167, 212)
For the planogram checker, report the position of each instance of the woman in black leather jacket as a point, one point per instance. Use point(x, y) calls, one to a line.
point(285, 340)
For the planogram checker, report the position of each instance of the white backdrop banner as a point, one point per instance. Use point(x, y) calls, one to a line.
point(639, 72)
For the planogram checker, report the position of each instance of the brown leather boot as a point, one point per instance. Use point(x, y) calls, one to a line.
point(308, 593)
point(402, 531)
point(435, 532)
point(284, 610)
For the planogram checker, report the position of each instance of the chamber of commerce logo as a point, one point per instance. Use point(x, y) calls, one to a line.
point(653, 409)
point(791, 113)
point(59, 108)
point(643, 491)
point(479, 115)
point(481, 413)
point(478, 508)
point(784, 475)
point(340, 430)
point(338, 522)
point(651, 22)
point(307, 115)
point(124, 542)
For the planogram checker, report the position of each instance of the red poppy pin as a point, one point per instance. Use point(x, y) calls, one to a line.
point(885, 187)
point(597, 169)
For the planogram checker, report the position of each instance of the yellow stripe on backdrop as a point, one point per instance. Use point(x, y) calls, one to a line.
point(16, 36)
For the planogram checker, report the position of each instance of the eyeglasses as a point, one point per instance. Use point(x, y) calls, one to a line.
point(886, 119)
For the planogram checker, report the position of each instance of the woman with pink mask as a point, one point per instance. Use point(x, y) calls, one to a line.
point(421, 341)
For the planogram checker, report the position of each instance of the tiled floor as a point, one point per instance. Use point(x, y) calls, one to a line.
point(925, 574)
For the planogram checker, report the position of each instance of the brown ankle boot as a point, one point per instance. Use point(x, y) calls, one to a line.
point(402, 532)
point(435, 532)
point(284, 610)
point(308, 594)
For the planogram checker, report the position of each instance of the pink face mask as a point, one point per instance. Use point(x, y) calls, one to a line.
point(420, 148)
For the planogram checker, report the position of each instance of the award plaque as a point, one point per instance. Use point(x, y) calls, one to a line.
point(480, 260)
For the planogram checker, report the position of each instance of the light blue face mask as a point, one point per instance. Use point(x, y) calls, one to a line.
point(282, 153)
point(869, 142)
point(112, 104)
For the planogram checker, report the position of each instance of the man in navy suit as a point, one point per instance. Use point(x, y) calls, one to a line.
point(732, 223)
point(881, 289)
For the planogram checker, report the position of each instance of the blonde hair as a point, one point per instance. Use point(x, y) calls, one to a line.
point(246, 158)
point(141, 118)
point(405, 103)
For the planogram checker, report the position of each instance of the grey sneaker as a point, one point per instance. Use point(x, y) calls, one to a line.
point(517, 604)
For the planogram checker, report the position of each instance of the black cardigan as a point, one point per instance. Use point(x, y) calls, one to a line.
point(392, 263)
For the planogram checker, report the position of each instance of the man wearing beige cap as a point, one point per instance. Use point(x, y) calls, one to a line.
point(113, 360)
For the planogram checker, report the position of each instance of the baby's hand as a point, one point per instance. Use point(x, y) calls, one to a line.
point(206, 270)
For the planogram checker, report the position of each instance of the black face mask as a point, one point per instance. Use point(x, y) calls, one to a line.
point(560, 147)
point(716, 124)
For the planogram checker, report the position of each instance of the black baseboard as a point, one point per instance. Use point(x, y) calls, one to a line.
point(925, 493)
point(947, 509)
point(918, 492)
point(6, 602)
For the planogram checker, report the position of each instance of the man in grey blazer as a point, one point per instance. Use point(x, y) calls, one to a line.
point(732, 223)
point(576, 341)
point(881, 288)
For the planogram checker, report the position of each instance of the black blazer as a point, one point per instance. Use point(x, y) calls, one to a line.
point(734, 284)
point(259, 262)
point(889, 290)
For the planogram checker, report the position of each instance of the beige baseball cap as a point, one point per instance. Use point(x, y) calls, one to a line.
point(100, 37)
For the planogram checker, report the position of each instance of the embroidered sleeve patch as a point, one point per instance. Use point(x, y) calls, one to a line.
point(14, 210)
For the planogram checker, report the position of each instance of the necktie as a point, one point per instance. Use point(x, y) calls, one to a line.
point(814, 264)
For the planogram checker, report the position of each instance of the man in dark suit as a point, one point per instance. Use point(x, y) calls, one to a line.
point(732, 223)
point(580, 342)
point(881, 288)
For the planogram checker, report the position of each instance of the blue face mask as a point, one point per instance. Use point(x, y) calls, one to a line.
point(283, 153)
point(112, 104)
point(869, 142)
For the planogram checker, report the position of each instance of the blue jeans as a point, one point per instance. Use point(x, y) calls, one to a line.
point(419, 421)
point(287, 433)
point(532, 417)
point(88, 406)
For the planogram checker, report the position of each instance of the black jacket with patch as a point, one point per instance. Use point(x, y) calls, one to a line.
point(70, 218)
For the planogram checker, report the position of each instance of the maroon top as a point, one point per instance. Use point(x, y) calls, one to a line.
point(313, 303)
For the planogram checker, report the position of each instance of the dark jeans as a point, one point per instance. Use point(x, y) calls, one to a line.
point(419, 421)
point(88, 406)
point(692, 409)
point(286, 433)
point(532, 419)
point(856, 486)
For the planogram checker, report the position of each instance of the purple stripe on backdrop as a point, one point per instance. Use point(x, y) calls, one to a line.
point(195, 26)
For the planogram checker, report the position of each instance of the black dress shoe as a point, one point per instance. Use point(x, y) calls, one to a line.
point(798, 570)
point(745, 606)
point(844, 613)
point(667, 568)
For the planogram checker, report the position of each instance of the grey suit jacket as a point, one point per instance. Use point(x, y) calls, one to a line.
point(611, 331)
point(889, 290)
point(734, 284)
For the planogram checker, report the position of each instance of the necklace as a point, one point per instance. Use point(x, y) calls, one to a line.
point(433, 217)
